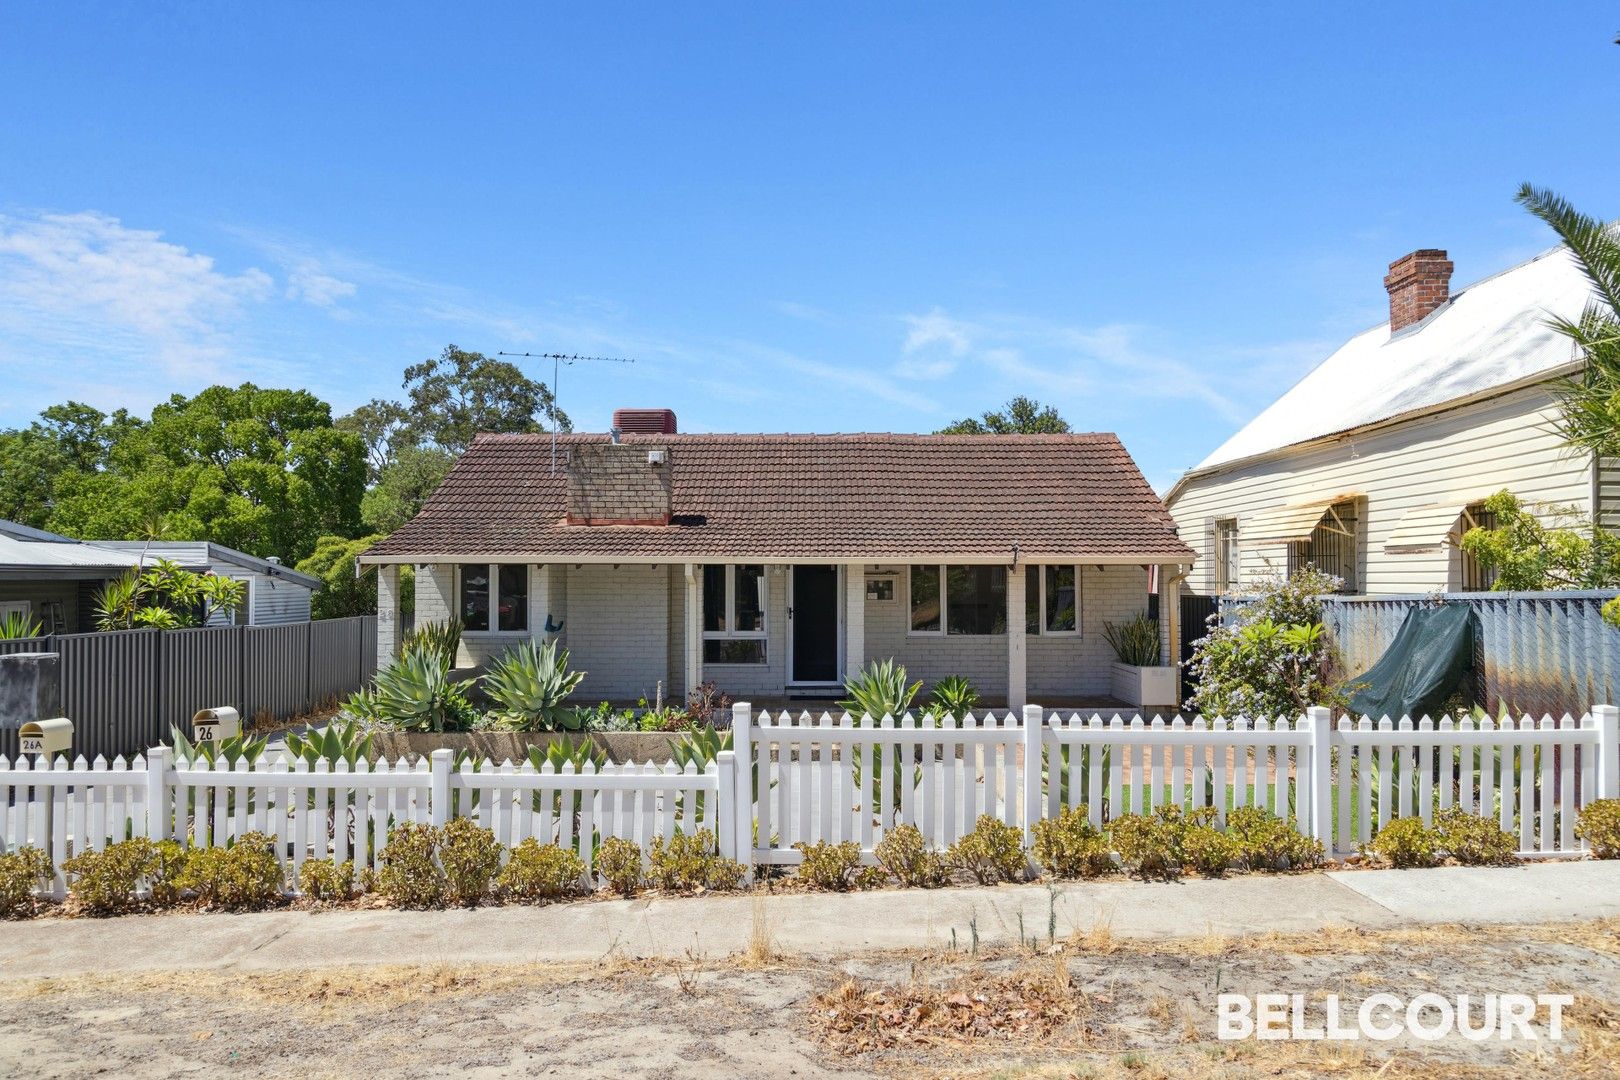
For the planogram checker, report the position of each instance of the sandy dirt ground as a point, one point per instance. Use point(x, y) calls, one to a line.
point(1093, 1006)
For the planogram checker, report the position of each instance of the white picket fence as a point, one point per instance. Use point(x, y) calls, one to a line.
point(1338, 781)
point(344, 814)
point(839, 778)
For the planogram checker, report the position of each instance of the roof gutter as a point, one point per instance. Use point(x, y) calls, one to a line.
point(1503, 390)
point(953, 558)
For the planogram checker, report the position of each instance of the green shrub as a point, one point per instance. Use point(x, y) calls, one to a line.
point(1271, 656)
point(618, 864)
point(1599, 825)
point(1474, 840)
point(21, 872)
point(904, 853)
point(539, 872)
point(326, 881)
point(1070, 846)
point(409, 877)
point(1406, 843)
point(416, 693)
point(992, 852)
point(470, 857)
point(244, 876)
point(1268, 842)
point(1150, 844)
point(107, 882)
point(832, 867)
point(1208, 850)
point(687, 862)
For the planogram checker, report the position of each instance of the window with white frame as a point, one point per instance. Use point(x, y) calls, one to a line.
point(503, 608)
point(1226, 555)
point(959, 600)
point(734, 614)
point(1052, 599)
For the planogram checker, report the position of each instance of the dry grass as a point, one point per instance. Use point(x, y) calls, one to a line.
point(761, 951)
point(858, 1016)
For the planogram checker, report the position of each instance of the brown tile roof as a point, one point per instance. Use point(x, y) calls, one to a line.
point(870, 497)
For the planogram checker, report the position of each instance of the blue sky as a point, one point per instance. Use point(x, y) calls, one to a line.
point(813, 217)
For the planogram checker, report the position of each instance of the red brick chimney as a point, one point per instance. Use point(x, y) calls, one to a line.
point(1417, 283)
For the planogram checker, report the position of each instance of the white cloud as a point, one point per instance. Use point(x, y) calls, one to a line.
point(309, 284)
point(88, 282)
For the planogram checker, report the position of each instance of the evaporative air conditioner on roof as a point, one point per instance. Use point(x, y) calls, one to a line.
point(645, 421)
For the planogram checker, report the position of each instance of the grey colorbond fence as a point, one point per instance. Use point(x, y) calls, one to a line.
point(124, 690)
point(1541, 653)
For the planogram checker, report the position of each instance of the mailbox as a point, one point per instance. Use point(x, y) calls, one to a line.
point(47, 737)
point(215, 725)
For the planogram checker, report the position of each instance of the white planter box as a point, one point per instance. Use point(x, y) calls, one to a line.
point(1145, 685)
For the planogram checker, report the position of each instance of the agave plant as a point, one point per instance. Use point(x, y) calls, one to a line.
point(953, 698)
point(348, 741)
point(440, 640)
point(530, 682)
point(560, 753)
point(16, 625)
point(416, 693)
point(229, 750)
point(878, 690)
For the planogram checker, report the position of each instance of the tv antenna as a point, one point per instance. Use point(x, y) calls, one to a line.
point(557, 361)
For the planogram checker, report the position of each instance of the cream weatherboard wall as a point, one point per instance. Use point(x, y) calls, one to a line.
point(1506, 442)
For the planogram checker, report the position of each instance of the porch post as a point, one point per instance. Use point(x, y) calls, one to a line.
point(1017, 645)
point(387, 613)
point(854, 619)
point(1170, 622)
point(694, 627)
point(539, 600)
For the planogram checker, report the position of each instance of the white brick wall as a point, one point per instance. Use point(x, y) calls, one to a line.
point(618, 626)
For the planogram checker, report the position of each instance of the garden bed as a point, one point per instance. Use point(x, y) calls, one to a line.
point(622, 747)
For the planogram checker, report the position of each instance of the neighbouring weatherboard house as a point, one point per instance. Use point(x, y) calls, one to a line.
point(1373, 465)
point(55, 579)
point(777, 565)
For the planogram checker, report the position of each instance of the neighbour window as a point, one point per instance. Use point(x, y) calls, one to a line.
point(511, 597)
point(734, 614)
point(959, 600)
point(1332, 547)
point(1051, 599)
point(1226, 556)
point(1475, 576)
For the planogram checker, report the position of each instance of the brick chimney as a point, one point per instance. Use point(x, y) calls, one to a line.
point(618, 484)
point(1417, 283)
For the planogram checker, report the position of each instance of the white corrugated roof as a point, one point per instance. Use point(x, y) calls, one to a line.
point(37, 554)
point(1492, 333)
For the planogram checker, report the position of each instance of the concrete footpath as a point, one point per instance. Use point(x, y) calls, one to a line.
point(815, 924)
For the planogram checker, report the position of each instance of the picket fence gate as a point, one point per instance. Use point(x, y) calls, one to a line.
point(790, 780)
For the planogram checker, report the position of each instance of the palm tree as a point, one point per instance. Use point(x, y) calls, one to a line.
point(1590, 401)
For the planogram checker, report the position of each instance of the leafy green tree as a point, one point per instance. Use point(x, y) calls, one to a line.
point(403, 487)
point(1589, 402)
point(72, 437)
point(342, 593)
point(457, 394)
point(1020, 416)
point(262, 470)
point(1528, 555)
point(381, 426)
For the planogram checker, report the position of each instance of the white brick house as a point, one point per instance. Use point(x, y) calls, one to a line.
point(775, 565)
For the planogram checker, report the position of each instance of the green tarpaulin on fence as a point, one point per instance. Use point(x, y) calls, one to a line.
point(1425, 664)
